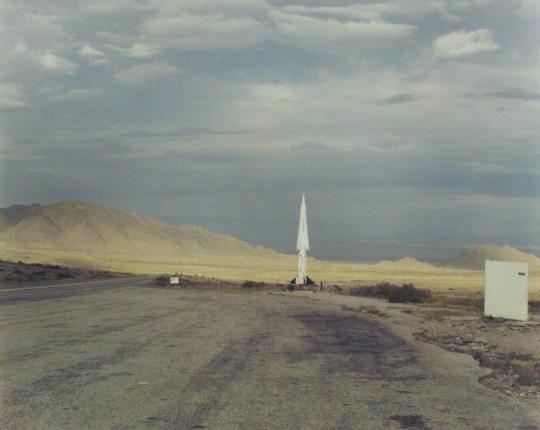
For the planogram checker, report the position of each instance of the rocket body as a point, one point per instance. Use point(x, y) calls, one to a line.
point(302, 245)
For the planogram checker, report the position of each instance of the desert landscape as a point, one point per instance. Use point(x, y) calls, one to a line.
point(93, 236)
point(269, 215)
point(78, 255)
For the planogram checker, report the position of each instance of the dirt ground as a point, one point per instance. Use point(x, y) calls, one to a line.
point(139, 357)
point(509, 349)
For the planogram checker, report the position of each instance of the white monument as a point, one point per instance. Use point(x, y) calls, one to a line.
point(174, 280)
point(302, 246)
point(506, 293)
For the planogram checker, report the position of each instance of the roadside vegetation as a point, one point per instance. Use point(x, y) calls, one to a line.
point(21, 272)
point(407, 293)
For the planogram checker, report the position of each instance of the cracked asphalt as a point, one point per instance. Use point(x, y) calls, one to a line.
point(131, 357)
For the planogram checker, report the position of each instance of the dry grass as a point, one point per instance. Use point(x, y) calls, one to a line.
point(279, 269)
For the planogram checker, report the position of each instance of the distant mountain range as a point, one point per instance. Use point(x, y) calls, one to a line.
point(473, 258)
point(80, 233)
point(94, 229)
point(406, 262)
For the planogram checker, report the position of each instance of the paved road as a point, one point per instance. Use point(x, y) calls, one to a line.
point(28, 292)
point(141, 358)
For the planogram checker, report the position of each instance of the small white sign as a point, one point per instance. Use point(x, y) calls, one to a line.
point(506, 290)
point(175, 280)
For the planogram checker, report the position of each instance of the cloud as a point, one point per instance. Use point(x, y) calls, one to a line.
point(95, 56)
point(119, 39)
point(211, 7)
point(376, 11)
point(516, 94)
point(193, 32)
point(316, 34)
point(136, 50)
point(108, 7)
point(76, 94)
point(397, 99)
point(12, 98)
point(528, 8)
point(142, 50)
point(464, 43)
point(354, 11)
point(187, 132)
point(53, 63)
point(147, 72)
point(510, 94)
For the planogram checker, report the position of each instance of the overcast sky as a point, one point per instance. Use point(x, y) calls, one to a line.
point(412, 126)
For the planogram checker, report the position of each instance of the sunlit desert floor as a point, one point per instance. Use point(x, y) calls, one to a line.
point(279, 269)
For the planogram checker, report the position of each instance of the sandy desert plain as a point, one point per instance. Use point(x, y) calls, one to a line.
point(281, 268)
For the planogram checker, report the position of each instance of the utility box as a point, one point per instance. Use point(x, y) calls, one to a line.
point(174, 280)
point(506, 290)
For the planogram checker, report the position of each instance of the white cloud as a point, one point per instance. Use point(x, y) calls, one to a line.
point(136, 50)
point(53, 63)
point(142, 50)
point(12, 97)
point(354, 11)
point(376, 11)
point(95, 56)
point(464, 43)
point(330, 34)
point(147, 72)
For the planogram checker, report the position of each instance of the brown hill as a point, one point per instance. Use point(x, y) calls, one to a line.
point(473, 258)
point(406, 263)
point(98, 230)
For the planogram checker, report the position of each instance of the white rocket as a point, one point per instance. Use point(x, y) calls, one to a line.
point(302, 246)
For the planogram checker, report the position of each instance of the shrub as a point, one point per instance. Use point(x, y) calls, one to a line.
point(162, 280)
point(408, 293)
point(291, 287)
point(64, 275)
point(381, 290)
point(253, 284)
point(39, 273)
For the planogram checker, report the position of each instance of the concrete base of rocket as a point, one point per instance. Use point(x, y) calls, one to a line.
point(308, 281)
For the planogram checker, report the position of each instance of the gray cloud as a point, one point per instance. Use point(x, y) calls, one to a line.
point(187, 132)
point(515, 94)
point(143, 73)
point(509, 94)
point(398, 98)
point(12, 97)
